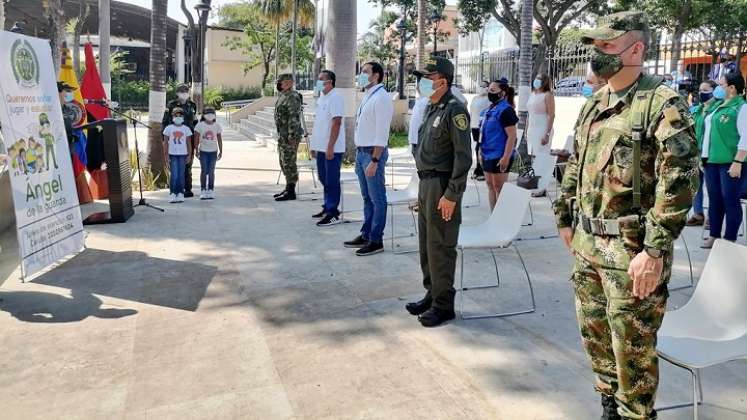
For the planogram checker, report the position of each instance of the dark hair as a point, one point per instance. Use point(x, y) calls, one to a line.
point(712, 83)
point(735, 79)
point(376, 68)
point(545, 82)
point(330, 75)
point(510, 92)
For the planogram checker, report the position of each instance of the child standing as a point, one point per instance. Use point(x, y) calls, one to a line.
point(209, 149)
point(177, 139)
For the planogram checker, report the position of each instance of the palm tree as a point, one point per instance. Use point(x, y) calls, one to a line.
point(55, 15)
point(157, 102)
point(422, 34)
point(525, 67)
point(341, 57)
point(2, 15)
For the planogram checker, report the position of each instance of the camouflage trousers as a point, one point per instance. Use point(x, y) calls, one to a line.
point(619, 334)
point(288, 154)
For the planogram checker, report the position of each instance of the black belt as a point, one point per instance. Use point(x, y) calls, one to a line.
point(433, 174)
point(366, 149)
point(606, 227)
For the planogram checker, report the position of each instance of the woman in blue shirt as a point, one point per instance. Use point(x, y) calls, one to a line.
point(498, 127)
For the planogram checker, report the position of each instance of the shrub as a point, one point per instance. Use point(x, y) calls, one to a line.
point(134, 93)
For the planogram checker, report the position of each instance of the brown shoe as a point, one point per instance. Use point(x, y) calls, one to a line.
point(696, 220)
point(708, 243)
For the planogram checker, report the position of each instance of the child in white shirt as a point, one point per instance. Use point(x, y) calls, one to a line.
point(209, 149)
point(177, 147)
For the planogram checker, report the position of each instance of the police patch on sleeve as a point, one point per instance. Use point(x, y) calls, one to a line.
point(679, 146)
point(461, 121)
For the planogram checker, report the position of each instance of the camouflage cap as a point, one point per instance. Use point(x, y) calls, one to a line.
point(177, 110)
point(43, 118)
point(616, 25)
point(182, 88)
point(285, 76)
point(436, 65)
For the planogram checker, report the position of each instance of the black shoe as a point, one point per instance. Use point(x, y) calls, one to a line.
point(434, 317)
point(279, 194)
point(358, 242)
point(286, 196)
point(188, 194)
point(370, 249)
point(419, 307)
point(318, 215)
point(609, 408)
point(329, 220)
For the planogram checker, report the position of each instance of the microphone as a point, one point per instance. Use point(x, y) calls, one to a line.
point(102, 102)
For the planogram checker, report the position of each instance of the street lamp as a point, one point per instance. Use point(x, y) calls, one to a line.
point(435, 20)
point(402, 28)
point(203, 10)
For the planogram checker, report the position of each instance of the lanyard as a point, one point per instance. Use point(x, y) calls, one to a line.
point(360, 110)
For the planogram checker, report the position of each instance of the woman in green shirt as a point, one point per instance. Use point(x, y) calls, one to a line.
point(707, 103)
point(724, 149)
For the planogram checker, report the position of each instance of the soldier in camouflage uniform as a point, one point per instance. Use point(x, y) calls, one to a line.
point(625, 197)
point(288, 114)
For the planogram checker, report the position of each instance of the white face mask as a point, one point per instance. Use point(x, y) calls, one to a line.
point(183, 96)
point(209, 117)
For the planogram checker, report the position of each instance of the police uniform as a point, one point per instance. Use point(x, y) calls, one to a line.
point(443, 159)
point(190, 120)
point(627, 189)
point(288, 114)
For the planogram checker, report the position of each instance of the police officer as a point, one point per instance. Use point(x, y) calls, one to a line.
point(189, 108)
point(288, 114)
point(443, 159)
point(625, 196)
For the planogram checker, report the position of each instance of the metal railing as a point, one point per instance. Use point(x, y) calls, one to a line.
point(230, 105)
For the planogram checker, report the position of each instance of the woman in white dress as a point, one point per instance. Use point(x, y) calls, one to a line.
point(540, 121)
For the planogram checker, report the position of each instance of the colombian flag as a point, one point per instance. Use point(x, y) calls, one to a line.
point(92, 89)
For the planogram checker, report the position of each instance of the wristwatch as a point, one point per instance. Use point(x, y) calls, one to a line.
point(374, 159)
point(653, 252)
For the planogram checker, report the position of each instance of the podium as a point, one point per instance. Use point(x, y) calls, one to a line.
point(119, 172)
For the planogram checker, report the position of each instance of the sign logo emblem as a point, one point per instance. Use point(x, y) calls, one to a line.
point(25, 64)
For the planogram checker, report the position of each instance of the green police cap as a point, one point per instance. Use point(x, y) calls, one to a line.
point(616, 25)
point(182, 88)
point(285, 76)
point(436, 65)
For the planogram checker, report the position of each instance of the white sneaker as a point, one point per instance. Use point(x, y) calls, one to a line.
point(180, 198)
point(211, 194)
point(204, 195)
point(172, 198)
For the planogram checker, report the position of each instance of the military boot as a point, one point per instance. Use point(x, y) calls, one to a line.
point(609, 408)
point(288, 194)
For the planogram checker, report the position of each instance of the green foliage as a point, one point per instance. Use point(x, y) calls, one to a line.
point(134, 93)
point(150, 182)
point(398, 139)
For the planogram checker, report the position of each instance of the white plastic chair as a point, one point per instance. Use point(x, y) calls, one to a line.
point(498, 232)
point(401, 197)
point(394, 156)
point(347, 178)
point(304, 165)
point(711, 328)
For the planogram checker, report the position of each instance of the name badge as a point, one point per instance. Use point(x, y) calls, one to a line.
point(437, 122)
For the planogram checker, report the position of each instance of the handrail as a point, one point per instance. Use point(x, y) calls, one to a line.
point(235, 104)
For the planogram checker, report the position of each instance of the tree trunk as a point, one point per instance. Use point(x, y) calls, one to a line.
point(525, 68)
point(104, 45)
point(157, 97)
point(55, 15)
point(341, 54)
point(679, 31)
point(2, 15)
point(277, 53)
point(422, 34)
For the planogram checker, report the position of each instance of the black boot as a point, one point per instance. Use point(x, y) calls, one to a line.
point(419, 307)
point(609, 408)
point(288, 194)
point(280, 193)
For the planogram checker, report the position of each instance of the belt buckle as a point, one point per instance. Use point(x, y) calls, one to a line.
point(586, 224)
point(599, 227)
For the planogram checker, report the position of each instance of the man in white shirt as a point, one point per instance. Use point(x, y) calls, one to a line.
point(416, 118)
point(477, 108)
point(328, 144)
point(373, 120)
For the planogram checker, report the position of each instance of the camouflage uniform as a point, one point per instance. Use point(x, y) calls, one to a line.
point(288, 114)
point(618, 330)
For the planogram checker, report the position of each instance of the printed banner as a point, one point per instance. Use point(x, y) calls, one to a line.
point(48, 216)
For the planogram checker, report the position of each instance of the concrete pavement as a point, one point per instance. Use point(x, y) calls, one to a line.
point(241, 308)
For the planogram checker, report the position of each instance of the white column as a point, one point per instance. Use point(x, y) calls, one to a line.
point(104, 45)
point(180, 54)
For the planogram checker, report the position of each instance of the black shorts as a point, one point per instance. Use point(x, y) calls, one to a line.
point(493, 166)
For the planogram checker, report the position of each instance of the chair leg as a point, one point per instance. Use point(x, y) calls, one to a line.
point(690, 263)
point(697, 390)
point(531, 215)
point(696, 400)
point(477, 191)
point(278, 181)
point(393, 236)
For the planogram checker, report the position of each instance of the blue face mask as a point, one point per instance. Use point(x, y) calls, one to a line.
point(719, 92)
point(537, 83)
point(587, 90)
point(69, 96)
point(426, 87)
point(178, 120)
point(363, 80)
point(319, 86)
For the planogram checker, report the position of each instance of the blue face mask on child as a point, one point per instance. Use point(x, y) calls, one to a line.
point(178, 120)
point(536, 84)
point(426, 87)
point(719, 92)
point(587, 91)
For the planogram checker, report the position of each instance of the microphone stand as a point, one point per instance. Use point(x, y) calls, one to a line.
point(134, 122)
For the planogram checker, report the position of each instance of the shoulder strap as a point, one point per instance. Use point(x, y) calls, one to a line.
point(641, 112)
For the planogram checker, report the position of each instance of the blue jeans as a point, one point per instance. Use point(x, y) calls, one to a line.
point(329, 176)
point(207, 169)
point(177, 163)
point(698, 201)
point(723, 195)
point(373, 190)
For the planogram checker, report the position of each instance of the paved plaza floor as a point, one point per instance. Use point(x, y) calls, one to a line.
point(241, 308)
